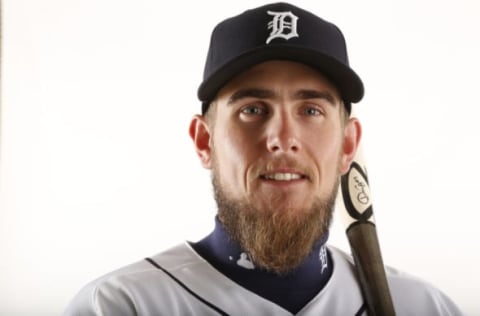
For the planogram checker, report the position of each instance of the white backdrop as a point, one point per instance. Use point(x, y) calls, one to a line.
point(98, 171)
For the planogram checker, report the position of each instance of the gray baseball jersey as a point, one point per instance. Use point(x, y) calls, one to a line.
point(180, 282)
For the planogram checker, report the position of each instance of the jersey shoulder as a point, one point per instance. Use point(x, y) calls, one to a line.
point(133, 288)
point(419, 296)
point(411, 295)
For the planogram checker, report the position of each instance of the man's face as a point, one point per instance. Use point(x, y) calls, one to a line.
point(277, 143)
point(278, 136)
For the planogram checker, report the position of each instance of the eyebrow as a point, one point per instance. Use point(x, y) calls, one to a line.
point(251, 93)
point(302, 94)
point(307, 94)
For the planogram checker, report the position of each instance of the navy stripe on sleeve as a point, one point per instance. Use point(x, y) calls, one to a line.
point(198, 297)
point(362, 310)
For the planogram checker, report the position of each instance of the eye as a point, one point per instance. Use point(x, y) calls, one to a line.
point(254, 110)
point(312, 111)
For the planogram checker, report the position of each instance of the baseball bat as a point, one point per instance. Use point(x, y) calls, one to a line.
point(362, 237)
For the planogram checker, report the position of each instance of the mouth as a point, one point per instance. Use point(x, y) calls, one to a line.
point(283, 176)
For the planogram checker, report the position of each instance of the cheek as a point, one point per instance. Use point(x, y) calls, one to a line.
point(232, 152)
point(327, 152)
point(326, 140)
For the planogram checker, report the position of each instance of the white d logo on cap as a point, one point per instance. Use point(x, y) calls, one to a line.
point(283, 25)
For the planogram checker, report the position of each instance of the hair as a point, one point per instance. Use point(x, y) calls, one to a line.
point(210, 114)
point(344, 112)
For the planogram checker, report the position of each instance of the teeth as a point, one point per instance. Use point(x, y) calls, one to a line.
point(283, 176)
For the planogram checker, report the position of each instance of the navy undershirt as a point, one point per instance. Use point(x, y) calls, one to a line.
point(292, 291)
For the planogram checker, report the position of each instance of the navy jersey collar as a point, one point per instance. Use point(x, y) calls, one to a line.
point(291, 291)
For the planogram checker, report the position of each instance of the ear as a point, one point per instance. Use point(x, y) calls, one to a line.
point(351, 141)
point(200, 133)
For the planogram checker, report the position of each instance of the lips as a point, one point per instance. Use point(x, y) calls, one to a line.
point(283, 176)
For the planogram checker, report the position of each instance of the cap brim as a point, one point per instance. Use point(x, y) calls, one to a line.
point(345, 79)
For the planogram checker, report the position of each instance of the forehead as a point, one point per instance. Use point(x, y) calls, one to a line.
point(282, 78)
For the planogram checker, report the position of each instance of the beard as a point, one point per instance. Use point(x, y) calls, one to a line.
point(276, 240)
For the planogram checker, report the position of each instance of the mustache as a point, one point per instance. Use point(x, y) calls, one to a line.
point(270, 165)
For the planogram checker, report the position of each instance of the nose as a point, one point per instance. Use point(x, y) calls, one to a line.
point(282, 134)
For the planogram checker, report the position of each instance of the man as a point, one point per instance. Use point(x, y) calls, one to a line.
point(276, 133)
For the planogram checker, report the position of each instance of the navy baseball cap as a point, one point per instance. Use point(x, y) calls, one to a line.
point(278, 31)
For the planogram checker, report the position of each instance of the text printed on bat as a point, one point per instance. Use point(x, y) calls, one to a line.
point(356, 194)
point(362, 196)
